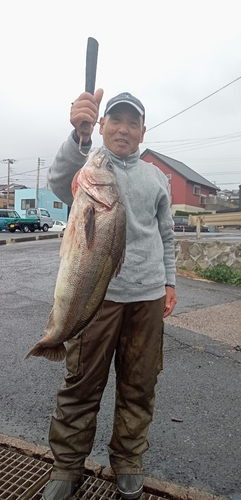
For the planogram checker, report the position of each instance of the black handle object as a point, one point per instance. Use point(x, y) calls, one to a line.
point(91, 65)
point(90, 76)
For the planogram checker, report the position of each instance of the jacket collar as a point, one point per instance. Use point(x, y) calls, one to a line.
point(128, 162)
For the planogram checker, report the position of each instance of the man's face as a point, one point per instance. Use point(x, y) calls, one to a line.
point(122, 130)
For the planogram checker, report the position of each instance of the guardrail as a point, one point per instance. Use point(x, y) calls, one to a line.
point(226, 219)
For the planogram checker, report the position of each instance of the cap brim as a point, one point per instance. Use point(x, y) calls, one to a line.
point(127, 102)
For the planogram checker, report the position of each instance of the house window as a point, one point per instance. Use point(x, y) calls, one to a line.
point(196, 189)
point(25, 204)
point(203, 199)
point(58, 204)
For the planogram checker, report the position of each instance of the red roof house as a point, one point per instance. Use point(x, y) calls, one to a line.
point(188, 189)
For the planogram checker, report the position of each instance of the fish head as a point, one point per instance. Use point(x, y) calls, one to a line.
point(98, 179)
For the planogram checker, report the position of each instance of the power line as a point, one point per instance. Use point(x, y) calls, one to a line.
point(181, 145)
point(195, 104)
point(28, 171)
point(34, 157)
point(214, 159)
point(221, 173)
point(226, 183)
point(190, 147)
point(195, 139)
point(208, 174)
point(193, 146)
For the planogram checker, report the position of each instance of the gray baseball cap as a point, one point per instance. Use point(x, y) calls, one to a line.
point(129, 99)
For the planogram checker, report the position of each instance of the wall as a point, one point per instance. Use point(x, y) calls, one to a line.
point(177, 183)
point(193, 254)
point(194, 199)
point(46, 199)
point(181, 190)
point(3, 201)
point(217, 203)
point(186, 208)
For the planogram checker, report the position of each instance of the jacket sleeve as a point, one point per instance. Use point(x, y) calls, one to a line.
point(66, 163)
point(165, 223)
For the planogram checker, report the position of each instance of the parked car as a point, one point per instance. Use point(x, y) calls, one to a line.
point(186, 228)
point(181, 225)
point(58, 225)
point(6, 215)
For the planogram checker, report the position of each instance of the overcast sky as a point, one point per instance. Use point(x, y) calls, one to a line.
point(169, 54)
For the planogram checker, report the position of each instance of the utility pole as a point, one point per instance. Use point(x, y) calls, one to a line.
point(9, 162)
point(37, 184)
point(40, 162)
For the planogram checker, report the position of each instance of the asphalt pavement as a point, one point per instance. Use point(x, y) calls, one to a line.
point(195, 434)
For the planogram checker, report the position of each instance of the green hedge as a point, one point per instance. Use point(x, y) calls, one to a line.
point(222, 274)
point(182, 212)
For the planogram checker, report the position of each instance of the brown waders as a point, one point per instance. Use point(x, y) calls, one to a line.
point(134, 331)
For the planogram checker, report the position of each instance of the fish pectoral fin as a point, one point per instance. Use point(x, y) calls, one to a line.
point(89, 224)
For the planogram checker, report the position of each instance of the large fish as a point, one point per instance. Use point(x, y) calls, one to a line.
point(91, 252)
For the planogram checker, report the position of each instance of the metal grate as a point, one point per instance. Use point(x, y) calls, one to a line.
point(97, 489)
point(21, 477)
point(24, 478)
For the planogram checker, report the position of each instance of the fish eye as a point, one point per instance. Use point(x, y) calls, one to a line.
point(110, 166)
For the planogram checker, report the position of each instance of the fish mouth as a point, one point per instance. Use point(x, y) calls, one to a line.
point(94, 183)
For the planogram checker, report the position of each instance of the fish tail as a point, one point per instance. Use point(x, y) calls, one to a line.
point(55, 353)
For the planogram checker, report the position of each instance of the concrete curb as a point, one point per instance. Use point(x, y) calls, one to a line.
point(48, 236)
point(21, 239)
point(151, 485)
point(37, 237)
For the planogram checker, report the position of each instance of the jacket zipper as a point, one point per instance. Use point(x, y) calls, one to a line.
point(127, 177)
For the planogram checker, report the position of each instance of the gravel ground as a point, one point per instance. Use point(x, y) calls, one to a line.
point(220, 322)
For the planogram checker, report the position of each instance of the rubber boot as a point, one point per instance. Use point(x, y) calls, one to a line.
point(58, 490)
point(130, 486)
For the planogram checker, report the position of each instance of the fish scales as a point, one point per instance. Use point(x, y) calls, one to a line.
point(92, 251)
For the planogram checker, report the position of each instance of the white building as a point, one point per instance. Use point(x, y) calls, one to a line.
point(26, 198)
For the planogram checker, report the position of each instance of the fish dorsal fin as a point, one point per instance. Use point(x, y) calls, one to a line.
point(89, 224)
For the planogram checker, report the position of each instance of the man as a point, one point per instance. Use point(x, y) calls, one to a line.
point(131, 320)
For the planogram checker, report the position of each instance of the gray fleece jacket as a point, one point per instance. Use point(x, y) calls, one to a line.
point(150, 257)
